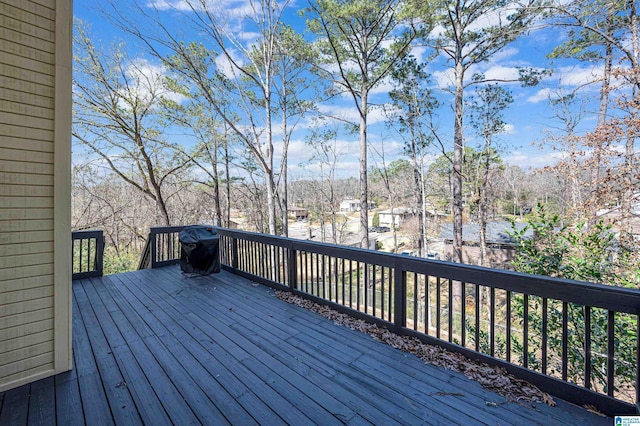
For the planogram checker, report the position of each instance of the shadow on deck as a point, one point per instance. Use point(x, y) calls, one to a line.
point(157, 347)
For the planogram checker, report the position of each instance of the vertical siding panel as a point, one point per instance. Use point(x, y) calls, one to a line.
point(35, 198)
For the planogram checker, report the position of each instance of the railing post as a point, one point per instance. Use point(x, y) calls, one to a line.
point(399, 296)
point(154, 248)
point(292, 269)
point(100, 254)
point(234, 253)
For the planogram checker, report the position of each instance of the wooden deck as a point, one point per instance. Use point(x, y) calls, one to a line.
point(155, 347)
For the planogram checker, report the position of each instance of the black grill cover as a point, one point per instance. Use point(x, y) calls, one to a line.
point(199, 253)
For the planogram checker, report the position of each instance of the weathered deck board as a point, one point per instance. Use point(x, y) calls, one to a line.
point(156, 347)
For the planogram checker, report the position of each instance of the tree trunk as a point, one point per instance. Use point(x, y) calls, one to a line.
point(423, 217)
point(284, 167)
point(364, 200)
point(216, 185)
point(597, 148)
point(269, 175)
point(418, 189)
point(227, 221)
point(458, 152)
point(482, 218)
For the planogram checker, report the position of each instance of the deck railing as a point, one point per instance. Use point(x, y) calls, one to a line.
point(87, 249)
point(162, 247)
point(576, 340)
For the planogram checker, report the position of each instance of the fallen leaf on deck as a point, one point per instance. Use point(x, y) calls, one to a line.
point(594, 410)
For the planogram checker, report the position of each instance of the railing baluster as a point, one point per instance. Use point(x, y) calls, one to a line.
point(450, 310)
point(350, 283)
point(344, 302)
point(544, 335)
point(587, 347)
point(525, 331)
point(373, 285)
point(415, 301)
point(382, 290)
point(492, 321)
point(314, 274)
point(438, 310)
point(90, 265)
point(637, 381)
point(264, 265)
point(478, 307)
point(390, 298)
point(358, 286)
point(427, 305)
point(463, 314)
point(611, 364)
point(508, 325)
point(565, 339)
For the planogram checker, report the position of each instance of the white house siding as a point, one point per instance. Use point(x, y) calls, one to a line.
point(35, 108)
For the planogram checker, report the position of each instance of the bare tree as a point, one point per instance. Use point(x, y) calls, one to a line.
point(359, 45)
point(117, 117)
point(487, 108)
point(467, 39)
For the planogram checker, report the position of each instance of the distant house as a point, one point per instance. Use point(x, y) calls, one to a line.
point(500, 246)
point(393, 218)
point(350, 205)
point(298, 212)
point(353, 205)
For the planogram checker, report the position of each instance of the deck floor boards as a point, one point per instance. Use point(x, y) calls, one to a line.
point(157, 347)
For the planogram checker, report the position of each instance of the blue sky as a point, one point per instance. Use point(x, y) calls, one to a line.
point(528, 118)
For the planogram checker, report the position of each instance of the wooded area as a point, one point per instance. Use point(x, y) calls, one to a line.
point(240, 87)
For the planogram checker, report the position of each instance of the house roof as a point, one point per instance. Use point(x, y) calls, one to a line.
point(497, 232)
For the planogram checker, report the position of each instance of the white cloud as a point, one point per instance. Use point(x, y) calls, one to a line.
point(384, 87)
point(225, 66)
point(446, 78)
point(509, 129)
point(148, 82)
point(499, 72)
point(534, 160)
point(350, 113)
point(181, 5)
point(235, 8)
point(248, 35)
point(506, 53)
point(540, 95)
point(578, 76)
point(443, 78)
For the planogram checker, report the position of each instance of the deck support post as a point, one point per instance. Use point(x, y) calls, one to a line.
point(154, 247)
point(399, 297)
point(234, 253)
point(292, 269)
point(99, 254)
